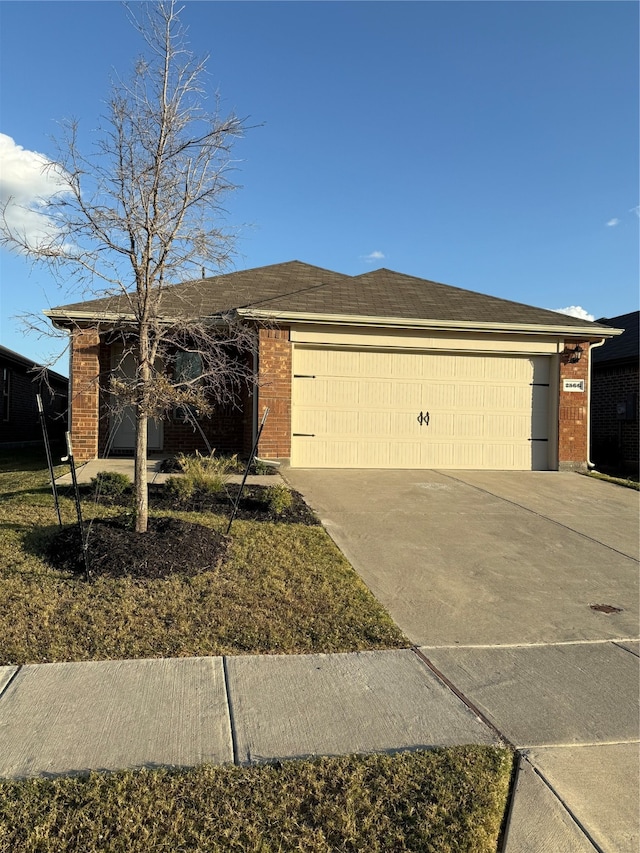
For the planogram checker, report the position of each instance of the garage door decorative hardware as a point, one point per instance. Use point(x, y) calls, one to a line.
point(303, 376)
point(304, 435)
point(605, 608)
point(423, 418)
point(538, 439)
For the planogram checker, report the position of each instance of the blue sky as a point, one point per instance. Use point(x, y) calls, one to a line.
point(488, 145)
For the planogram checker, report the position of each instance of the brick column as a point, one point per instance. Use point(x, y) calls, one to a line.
point(274, 391)
point(573, 412)
point(85, 372)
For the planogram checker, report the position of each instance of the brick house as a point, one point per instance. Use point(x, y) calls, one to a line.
point(376, 370)
point(22, 379)
point(614, 397)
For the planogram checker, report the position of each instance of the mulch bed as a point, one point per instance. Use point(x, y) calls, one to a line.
point(170, 546)
point(250, 508)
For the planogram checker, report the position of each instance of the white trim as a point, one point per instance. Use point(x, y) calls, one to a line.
point(470, 342)
point(58, 317)
point(361, 320)
point(441, 325)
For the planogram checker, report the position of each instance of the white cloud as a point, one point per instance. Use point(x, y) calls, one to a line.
point(635, 210)
point(576, 311)
point(373, 256)
point(27, 181)
point(613, 222)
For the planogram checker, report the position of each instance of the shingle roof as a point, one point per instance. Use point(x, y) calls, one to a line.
point(625, 347)
point(10, 357)
point(297, 288)
point(207, 297)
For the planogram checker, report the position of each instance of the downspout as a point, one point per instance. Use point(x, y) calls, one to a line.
point(590, 464)
point(254, 397)
point(70, 385)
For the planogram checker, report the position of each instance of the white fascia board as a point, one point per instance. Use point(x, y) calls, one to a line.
point(440, 325)
point(87, 317)
point(69, 317)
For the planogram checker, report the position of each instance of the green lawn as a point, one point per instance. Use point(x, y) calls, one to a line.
point(441, 801)
point(285, 589)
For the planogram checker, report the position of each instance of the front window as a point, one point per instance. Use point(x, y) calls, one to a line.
point(6, 391)
point(188, 370)
point(188, 366)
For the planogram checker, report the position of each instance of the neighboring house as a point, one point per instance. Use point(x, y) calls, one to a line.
point(614, 397)
point(380, 370)
point(22, 379)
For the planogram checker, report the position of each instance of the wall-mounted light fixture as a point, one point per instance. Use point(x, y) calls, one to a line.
point(576, 354)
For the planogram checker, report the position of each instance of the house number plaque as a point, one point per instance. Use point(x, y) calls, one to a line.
point(573, 385)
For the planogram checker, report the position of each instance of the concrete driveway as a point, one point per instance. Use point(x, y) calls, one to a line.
point(486, 558)
point(521, 589)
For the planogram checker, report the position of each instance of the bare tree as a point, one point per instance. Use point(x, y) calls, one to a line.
point(141, 212)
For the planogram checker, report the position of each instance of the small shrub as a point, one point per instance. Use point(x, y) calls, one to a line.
point(179, 489)
point(204, 469)
point(111, 486)
point(278, 499)
point(260, 467)
point(202, 475)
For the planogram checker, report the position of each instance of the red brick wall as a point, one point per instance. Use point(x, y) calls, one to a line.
point(275, 392)
point(573, 411)
point(223, 430)
point(104, 358)
point(228, 429)
point(85, 374)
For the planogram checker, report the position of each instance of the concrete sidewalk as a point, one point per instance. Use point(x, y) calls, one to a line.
point(501, 578)
point(66, 718)
point(88, 470)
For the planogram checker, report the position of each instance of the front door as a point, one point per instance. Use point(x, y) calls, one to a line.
point(122, 422)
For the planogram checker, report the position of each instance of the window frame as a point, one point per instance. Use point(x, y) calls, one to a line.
point(6, 394)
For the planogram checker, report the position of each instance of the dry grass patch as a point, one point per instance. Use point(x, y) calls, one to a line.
point(627, 482)
point(443, 800)
point(284, 588)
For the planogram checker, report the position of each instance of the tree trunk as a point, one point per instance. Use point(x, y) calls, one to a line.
point(141, 487)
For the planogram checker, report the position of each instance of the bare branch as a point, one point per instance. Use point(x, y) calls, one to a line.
point(143, 211)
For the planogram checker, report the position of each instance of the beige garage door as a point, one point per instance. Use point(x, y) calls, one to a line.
point(389, 409)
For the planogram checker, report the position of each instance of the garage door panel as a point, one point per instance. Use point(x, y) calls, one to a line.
point(369, 409)
point(338, 392)
point(311, 391)
point(507, 398)
point(380, 394)
point(508, 425)
point(436, 396)
point(405, 454)
point(437, 454)
point(467, 396)
point(309, 422)
point(407, 395)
